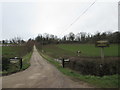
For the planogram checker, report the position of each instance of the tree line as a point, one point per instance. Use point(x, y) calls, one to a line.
point(81, 37)
point(15, 40)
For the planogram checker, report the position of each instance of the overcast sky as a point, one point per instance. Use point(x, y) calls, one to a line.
point(28, 18)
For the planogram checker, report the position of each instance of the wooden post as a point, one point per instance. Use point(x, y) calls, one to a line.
point(63, 63)
point(20, 63)
point(102, 53)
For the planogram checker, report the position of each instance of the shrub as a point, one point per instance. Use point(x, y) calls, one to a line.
point(95, 66)
point(5, 63)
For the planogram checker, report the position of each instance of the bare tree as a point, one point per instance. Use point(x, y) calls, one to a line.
point(71, 36)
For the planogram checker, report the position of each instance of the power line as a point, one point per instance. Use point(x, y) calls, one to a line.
point(80, 16)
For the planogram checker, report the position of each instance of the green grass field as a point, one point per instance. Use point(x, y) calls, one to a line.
point(13, 51)
point(87, 50)
point(16, 51)
point(49, 52)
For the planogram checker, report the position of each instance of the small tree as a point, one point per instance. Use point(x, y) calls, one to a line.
point(71, 36)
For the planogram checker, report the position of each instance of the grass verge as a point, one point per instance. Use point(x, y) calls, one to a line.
point(99, 82)
point(26, 61)
point(15, 68)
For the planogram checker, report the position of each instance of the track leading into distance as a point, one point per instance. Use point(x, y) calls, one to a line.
point(41, 74)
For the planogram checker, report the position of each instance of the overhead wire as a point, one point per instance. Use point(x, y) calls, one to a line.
point(79, 16)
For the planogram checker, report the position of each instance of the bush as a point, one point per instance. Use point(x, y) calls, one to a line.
point(5, 63)
point(95, 66)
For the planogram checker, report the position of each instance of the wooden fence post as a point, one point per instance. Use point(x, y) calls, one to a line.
point(63, 62)
point(20, 63)
point(102, 53)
